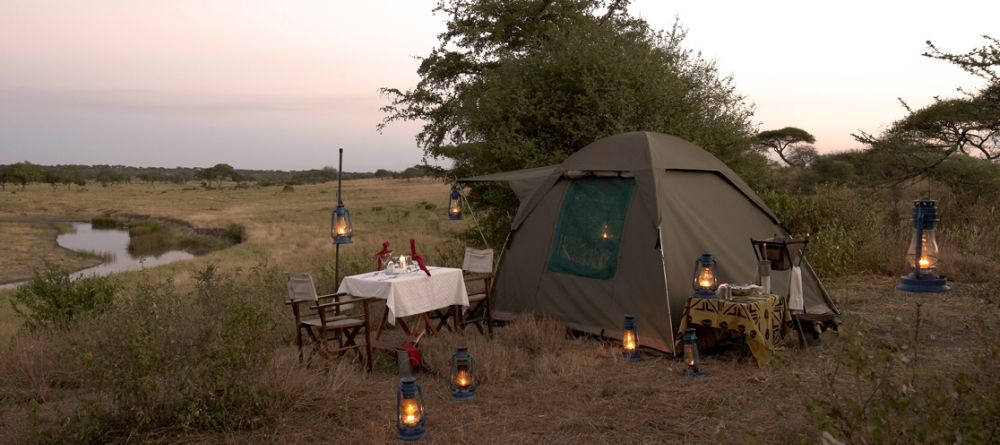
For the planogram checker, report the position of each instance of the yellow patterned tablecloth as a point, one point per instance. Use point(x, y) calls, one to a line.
point(763, 319)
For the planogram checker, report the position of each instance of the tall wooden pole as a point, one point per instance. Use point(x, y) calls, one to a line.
point(336, 273)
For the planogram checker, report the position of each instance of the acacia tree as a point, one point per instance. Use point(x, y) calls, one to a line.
point(966, 125)
point(524, 83)
point(218, 173)
point(23, 173)
point(790, 144)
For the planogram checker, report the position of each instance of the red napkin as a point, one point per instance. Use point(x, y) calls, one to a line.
point(384, 255)
point(416, 257)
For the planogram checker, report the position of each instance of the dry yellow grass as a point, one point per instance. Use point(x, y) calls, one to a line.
point(538, 385)
point(29, 245)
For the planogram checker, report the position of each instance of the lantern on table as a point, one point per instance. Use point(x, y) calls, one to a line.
point(630, 340)
point(692, 360)
point(923, 251)
point(463, 380)
point(705, 279)
point(455, 205)
point(410, 419)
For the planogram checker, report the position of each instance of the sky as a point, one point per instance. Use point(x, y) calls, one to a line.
point(284, 84)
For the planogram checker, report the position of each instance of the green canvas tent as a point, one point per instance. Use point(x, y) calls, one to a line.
point(616, 228)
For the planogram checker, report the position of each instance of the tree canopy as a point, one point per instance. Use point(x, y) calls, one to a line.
point(524, 83)
point(790, 144)
point(966, 125)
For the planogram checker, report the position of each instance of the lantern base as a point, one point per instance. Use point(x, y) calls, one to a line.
point(923, 284)
point(341, 240)
point(695, 373)
point(704, 294)
point(452, 217)
point(632, 356)
point(411, 434)
point(463, 394)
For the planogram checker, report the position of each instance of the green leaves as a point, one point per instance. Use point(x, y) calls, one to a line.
point(51, 299)
point(525, 83)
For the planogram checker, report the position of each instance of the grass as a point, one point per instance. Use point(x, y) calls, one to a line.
point(29, 245)
point(538, 385)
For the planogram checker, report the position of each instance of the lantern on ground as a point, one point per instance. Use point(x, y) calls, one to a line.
point(922, 254)
point(410, 419)
point(630, 340)
point(463, 380)
point(705, 279)
point(455, 205)
point(605, 232)
point(692, 359)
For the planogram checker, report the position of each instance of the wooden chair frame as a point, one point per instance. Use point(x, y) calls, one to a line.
point(324, 322)
point(333, 334)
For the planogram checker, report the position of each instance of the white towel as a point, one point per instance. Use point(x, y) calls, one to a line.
point(795, 301)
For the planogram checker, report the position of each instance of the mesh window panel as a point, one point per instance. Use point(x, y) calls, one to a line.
point(591, 223)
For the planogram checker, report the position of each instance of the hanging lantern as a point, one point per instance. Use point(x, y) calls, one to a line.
point(630, 340)
point(463, 375)
point(455, 205)
point(340, 225)
point(923, 253)
point(705, 278)
point(410, 419)
point(691, 357)
point(605, 233)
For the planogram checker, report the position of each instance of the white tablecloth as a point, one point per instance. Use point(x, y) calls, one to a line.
point(410, 293)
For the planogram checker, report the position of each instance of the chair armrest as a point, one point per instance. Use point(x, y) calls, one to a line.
point(349, 300)
point(338, 294)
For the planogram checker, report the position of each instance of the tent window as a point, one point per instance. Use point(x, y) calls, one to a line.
point(590, 227)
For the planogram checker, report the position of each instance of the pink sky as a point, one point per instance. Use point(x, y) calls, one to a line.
point(283, 84)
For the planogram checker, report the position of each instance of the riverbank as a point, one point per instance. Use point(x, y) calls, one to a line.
point(30, 243)
point(34, 242)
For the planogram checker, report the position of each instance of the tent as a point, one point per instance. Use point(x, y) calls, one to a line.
point(616, 228)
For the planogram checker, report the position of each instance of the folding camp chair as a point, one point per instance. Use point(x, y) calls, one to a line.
point(329, 331)
point(784, 254)
point(477, 267)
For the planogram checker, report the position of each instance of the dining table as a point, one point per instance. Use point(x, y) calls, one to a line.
point(410, 293)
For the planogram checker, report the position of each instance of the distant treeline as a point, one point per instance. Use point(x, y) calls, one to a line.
point(24, 173)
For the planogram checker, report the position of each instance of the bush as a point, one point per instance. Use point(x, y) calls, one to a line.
point(881, 393)
point(236, 233)
point(52, 299)
point(106, 223)
point(841, 225)
point(170, 360)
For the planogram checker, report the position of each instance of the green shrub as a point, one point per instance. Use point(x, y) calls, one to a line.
point(236, 233)
point(52, 299)
point(106, 223)
point(880, 393)
point(190, 361)
point(842, 225)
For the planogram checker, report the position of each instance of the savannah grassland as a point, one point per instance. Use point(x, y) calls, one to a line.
point(201, 351)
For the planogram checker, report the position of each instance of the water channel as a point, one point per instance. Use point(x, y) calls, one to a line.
point(112, 244)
